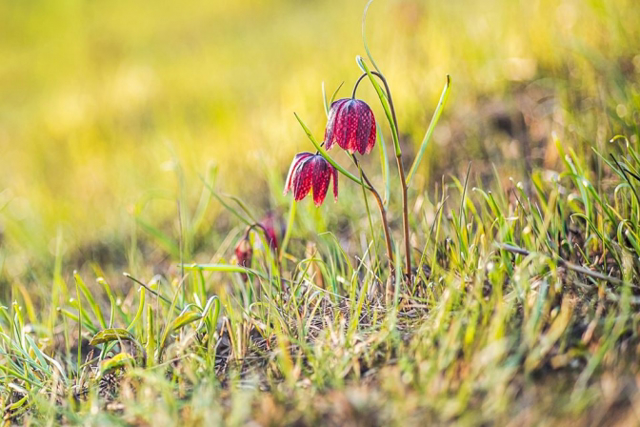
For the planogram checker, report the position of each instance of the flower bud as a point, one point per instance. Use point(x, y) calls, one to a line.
point(244, 252)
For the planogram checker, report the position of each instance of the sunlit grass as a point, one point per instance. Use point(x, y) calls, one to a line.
point(136, 137)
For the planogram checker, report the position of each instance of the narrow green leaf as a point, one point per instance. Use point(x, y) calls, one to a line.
point(165, 241)
point(151, 336)
point(427, 136)
point(119, 361)
point(112, 334)
point(138, 316)
point(41, 359)
point(225, 204)
point(289, 230)
point(364, 36)
point(366, 205)
point(327, 102)
point(14, 373)
point(384, 165)
point(214, 302)
point(75, 318)
point(92, 302)
point(184, 319)
point(223, 268)
point(203, 204)
point(178, 323)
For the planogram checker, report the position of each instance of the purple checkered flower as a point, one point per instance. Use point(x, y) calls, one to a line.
point(351, 125)
point(311, 172)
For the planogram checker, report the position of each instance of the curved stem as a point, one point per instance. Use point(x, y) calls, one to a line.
point(398, 152)
point(355, 86)
point(265, 232)
point(387, 90)
point(257, 225)
point(405, 217)
point(383, 214)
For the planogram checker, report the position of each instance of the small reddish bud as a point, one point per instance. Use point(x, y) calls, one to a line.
point(311, 171)
point(244, 252)
point(274, 229)
point(351, 125)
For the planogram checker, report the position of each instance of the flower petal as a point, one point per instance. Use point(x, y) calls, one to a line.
point(330, 131)
point(352, 131)
point(364, 127)
point(342, 125)
point(321, 177)
point(294, 164)
point(372, 135)
point(302, 178)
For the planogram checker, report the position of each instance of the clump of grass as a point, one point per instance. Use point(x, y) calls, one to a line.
point(526, 296)
point(523, 307)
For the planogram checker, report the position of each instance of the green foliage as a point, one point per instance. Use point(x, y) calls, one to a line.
point(525, 302)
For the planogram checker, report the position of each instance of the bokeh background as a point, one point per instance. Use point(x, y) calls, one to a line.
point(110, 111)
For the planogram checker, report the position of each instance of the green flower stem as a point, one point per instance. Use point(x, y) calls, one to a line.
point(389, 110)
point(385, 100)
point(383, 214)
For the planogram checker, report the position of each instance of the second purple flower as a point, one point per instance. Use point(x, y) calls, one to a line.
point(311, 171)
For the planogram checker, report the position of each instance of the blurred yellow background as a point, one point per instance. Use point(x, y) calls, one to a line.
point(103, 103)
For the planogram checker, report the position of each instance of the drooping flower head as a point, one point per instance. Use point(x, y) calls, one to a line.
point(311, 171)
point(351, 125)
point(274, 228)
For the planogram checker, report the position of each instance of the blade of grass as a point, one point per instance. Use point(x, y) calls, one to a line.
point(427, 136)
point(384, 166)
point(289, 230)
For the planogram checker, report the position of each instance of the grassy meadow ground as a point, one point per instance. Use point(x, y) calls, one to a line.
point(139, 136)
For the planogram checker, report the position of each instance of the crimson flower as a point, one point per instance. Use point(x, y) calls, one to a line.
point(311, 171)
point(352, 125)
